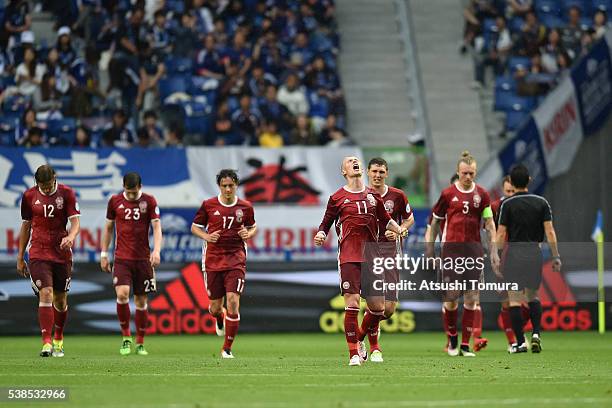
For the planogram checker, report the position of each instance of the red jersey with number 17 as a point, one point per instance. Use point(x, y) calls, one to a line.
point(132, 220)
point(463, 212)
point(229, 252)
point(49, 215)
point(357, 216)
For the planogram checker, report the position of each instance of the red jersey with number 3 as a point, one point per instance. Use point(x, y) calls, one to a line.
point(132, 221)
point(463, 212)
point(49, 215)
point(357, 216)
point(397, 205)
point(229, 252)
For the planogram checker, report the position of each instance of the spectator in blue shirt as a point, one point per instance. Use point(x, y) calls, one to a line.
point(160, 38)
point(66, 52)
point(16, 20)
point(208, 60)
point(118, 134)
point(247, 120)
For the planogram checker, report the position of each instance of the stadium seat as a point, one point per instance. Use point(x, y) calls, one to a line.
point(514, 119)
point(177, 6)
point(199, 125)
point(504, 99)
point(552, 7)
point(62, 131)
point(15, 104)
point(176, 66)
point(516, 23)
point(172, 84)
point(516, 63)
point(505, 82)
point(605, 5)
point(584, 6)
point(8, 131)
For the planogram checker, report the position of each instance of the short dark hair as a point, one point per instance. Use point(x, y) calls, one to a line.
point(150, 114)
point(44, 174)
point(506, 179)
point(378, 161)
point(35, 131)
point(454, 178)
point(519, 176)
point(227, 173)
point(132, 180)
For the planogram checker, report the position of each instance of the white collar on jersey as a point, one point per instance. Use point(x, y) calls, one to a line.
point(350, 191)
point(137, 198)
point(51, 193)
point(227, 205)
point(465, 191)
point(386, 191)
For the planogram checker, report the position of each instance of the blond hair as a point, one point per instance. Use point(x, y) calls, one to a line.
point(466, 158)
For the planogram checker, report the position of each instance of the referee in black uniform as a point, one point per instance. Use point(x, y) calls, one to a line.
point(524, 219)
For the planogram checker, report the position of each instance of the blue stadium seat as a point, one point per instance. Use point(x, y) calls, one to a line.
point(552, 7)
point(516, 63)
point(516, 23)
point(200, 125)
point(177, 6)
point(15, 104)
point(505, 82)
point(605, 5)
point(62, 131)
point(505, 93)
point(583, 5)
point(172, 84)
point(514, 119)
point(8, 131)
point(178, 65)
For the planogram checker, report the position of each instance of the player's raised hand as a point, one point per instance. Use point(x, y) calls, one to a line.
point(67, 242)
point(243, 233)
point(154, 259)
point(22, 268)
point(319, 239)
point(214, 236)
point(390, 235)
point(105, 264)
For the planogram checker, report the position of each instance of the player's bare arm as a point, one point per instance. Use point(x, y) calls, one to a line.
point(157, 242)
point(201, 233)
point(247, 233)
point(24, 238)
point(490, 228)
point(430, 237)
point(109, 227)
point(75, 226)
point(405, 225)
point(551, 237)
point(500, 241)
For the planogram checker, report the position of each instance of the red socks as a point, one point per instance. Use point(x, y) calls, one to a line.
point(141, 318)
point(369, 327)
point(123, 313)
point(477, 332)
point(232, 321)
point(60, 321)
point(450, 321)
point(467, 325)
point(351, 329)
point(45, 319)
point(507, 325)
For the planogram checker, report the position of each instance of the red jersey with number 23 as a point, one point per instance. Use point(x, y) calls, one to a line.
point(49, 215)
point(132, 220)
point(229, 252)
point(463, 212)
point(357, 216)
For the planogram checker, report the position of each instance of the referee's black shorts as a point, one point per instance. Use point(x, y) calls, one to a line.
point(522, 264)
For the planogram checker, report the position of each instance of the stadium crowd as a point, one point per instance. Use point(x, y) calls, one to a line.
point(155, 73)
point(530, 45)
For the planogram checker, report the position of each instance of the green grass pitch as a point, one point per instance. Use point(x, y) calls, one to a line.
point(305, 370)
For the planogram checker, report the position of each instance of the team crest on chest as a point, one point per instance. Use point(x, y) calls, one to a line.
point(371, 200)
point(477, 200)
point(59, 203)
point(239, 215)
point(389, 205)
point(143, 206)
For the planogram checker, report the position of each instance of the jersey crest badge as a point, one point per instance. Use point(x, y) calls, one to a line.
point(371, 199)
point(239, 215)
point(143, 206)
point(59, 203)
point(477, 200)
point(389, 205)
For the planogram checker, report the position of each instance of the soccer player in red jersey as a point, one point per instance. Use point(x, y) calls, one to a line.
point(357, 211)
point(397, 205)
point(463, 205)
point(225, 223)
point(130, 214)
point(45, 211)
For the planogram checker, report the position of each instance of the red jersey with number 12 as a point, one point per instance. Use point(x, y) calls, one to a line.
point(132, 220)
point(229, 252)
point(357, 216)
point(49, 215)
point(463, 212)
